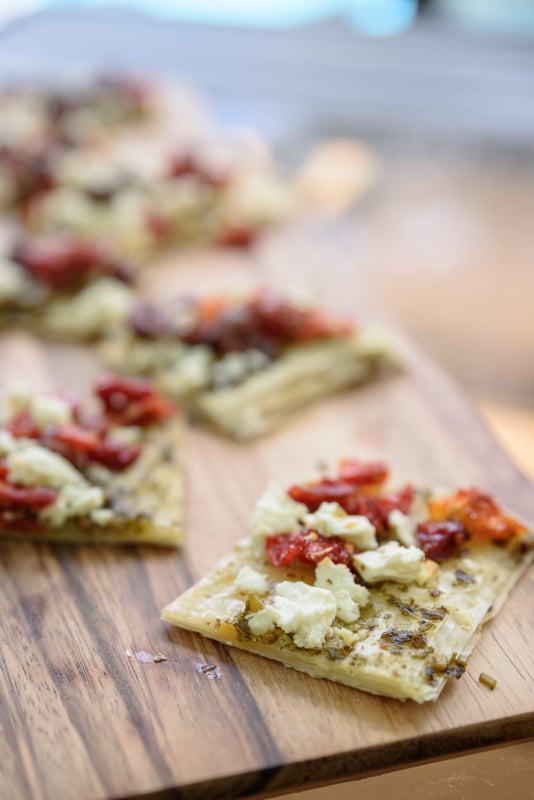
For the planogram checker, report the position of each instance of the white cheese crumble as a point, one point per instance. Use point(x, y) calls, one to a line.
point(402, 527)
point(348, 594)
point(332, 520)
point(390, 562)
point(33, 465)
point(18, 397)
point(7, 443)
point(275, 512)
point(12, 281)
point(30, 464)
point(234, 367)
point(190, 371)
point(305, 611)
point(98, 307)
point(45, 409)
point(50, 410)
point(73, 501)
point(250, 581)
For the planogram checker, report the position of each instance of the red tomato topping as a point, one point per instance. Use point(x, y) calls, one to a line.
point(441, 540)
point(266, 322)
point(82, 447)
point(362, 472)
point(242, 236)
point(481, 516)
point(307, 547)
point(3, 469)
point(25, 497)
point(351, 490)
point(132, 401)
point(61, 262)
point(327, 490)
point(188, 165)
point(377, 508)
point(23, 426)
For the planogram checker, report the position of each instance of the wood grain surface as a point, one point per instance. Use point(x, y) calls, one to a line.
point(86, 712)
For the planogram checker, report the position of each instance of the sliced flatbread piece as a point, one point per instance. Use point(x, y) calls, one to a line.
point(385, 619)
point(246, 364)
point(63, 481)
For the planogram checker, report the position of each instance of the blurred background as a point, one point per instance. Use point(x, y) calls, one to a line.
point(443, 90)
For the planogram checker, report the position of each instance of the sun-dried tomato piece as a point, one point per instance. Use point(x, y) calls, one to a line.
point(23, 426)
point(3, 469)
point(114, 454)
point(59, 261)
point(265, 322)
point(308, 547)
point(482, 517)
point(441, 540)
point(377, 508)
point(25, 497)
point(132, 401)
point(362, 472)
point(188, 165)
point(82, 447)
point(242, 236)
point(326, 490)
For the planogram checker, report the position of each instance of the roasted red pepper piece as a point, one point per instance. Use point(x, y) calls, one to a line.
point(132, 401)
point(362, 472)
point(308, 547)
point(23, 426)
point(242, 236)
point(327, 490)
point(82, 447)
point(186, 165)
point(441, 540)
point(25, 497)
point(377, 508)
point(482, 517)
point(266, 322)
point(59, 261)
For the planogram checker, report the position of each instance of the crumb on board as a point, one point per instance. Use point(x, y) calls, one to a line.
point(159, 657)
point(210, 670)
point(487, 680)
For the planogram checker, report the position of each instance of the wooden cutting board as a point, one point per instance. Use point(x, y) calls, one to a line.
point(88, 715)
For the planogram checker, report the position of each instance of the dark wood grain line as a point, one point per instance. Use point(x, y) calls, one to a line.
point(11, 739)
point(103, 639)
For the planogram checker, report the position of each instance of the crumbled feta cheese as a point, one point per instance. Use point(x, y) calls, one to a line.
point(305, 611)
point(331, 520)
point(402, 527)
point(33, 465)
point(275, 512)
point(73, 501)
point(7, 443)
point(30, 464)
point(12, 281)
point(348, 594)
point(130, 434)
point(101, 516)
point(190, 371)
point(50, 410)
point(390, 562)
point(18, 397)
point(98, 307)
point(234, 367)
point(345, 635)
point(250, 580)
